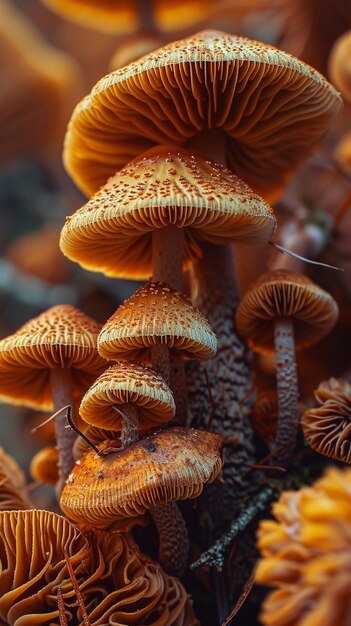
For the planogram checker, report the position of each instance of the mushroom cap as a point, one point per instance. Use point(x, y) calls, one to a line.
point(33, 548)
point(327, 428)
point(156, 312)
point(340, 64)
point(271, 106)
point(96, 435)
point(169, 465)
point(44, 466)
point(282, 293)
point(112, 233)
point(128, 382)
point(61, 337)
point(13, 489)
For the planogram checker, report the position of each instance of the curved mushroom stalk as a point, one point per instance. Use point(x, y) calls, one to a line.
point(228, 372)
point(173, 537)
point(287, 388)
point(61, 386)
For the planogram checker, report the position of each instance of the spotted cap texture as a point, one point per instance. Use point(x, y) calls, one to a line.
point(61, 337)
point(272, 107)
point(112, 233)
point(327, 427)
point(155, 313)
point(169, 465)
point(128, 382)
point(283, 293)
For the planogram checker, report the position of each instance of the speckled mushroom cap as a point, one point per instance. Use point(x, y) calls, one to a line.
point(283, 293)
point(128, 382)
point(61, 337)
point(327, 427)
point(112, 232)
point(169, 465)
point(154, 313)
point(271, 107)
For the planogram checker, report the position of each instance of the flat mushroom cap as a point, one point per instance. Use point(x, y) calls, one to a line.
point(128, 382)
point(112, 233)
point(327, 427)
point(61, 337)
point(282, 293)
point(169, 465)
point(272, 108)
point(33, 549)
point(156, 312)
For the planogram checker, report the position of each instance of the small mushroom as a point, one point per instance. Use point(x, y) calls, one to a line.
point(128, 397)
point(151, 474)
point(50, 362)
point(327, 428)
point(283, 312)
point(44, 466)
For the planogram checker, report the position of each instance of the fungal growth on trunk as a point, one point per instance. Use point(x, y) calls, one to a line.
point(49, 363)
point(283, 312)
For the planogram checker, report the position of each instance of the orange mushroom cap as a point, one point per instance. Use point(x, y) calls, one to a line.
point(124, 383)
point(282, 293)
point(327, 427)
point(112, 233)
point(169, 465)
point(61, 337)
point(154, 313)
point(13, 490)
point(272, 108)
point(340, 64)
point(44, 466)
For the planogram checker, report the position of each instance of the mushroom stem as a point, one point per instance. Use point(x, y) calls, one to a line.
point(173, 537)
point(228, 372)
point(130, 424)
point(287, 390)
point(179, 388)
point(160, 360)
point(61, 387)
point(146, 15)
point(167, 256)
point(210, 144)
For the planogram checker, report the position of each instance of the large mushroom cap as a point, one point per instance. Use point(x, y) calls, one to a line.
point(271, 107)
point(169, 465)
point(112, 232)
point(61, 337)
point(282, 293)
point(155, 313)
point(124, 383)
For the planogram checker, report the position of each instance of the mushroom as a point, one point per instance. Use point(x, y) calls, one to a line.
point(13, 490)
point(340, 64)
point(128, 397)
point(151, 474)
point(327, 428)
point(51, 361)
point(95, 435)
point(283, 312)
point(44, 466)
point(161, 323)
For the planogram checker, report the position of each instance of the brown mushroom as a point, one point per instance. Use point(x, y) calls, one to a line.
point(148, 475)
point(327, 427)
point(51, 361)
point(284, 311)
point(128, 397)
point(13, 489)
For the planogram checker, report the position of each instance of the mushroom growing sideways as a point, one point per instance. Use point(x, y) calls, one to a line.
point(327, 428)
point(50, 362)
point(283, 312)
point(151, 474)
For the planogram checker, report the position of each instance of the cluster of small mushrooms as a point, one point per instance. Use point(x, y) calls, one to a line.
point(180, 153)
